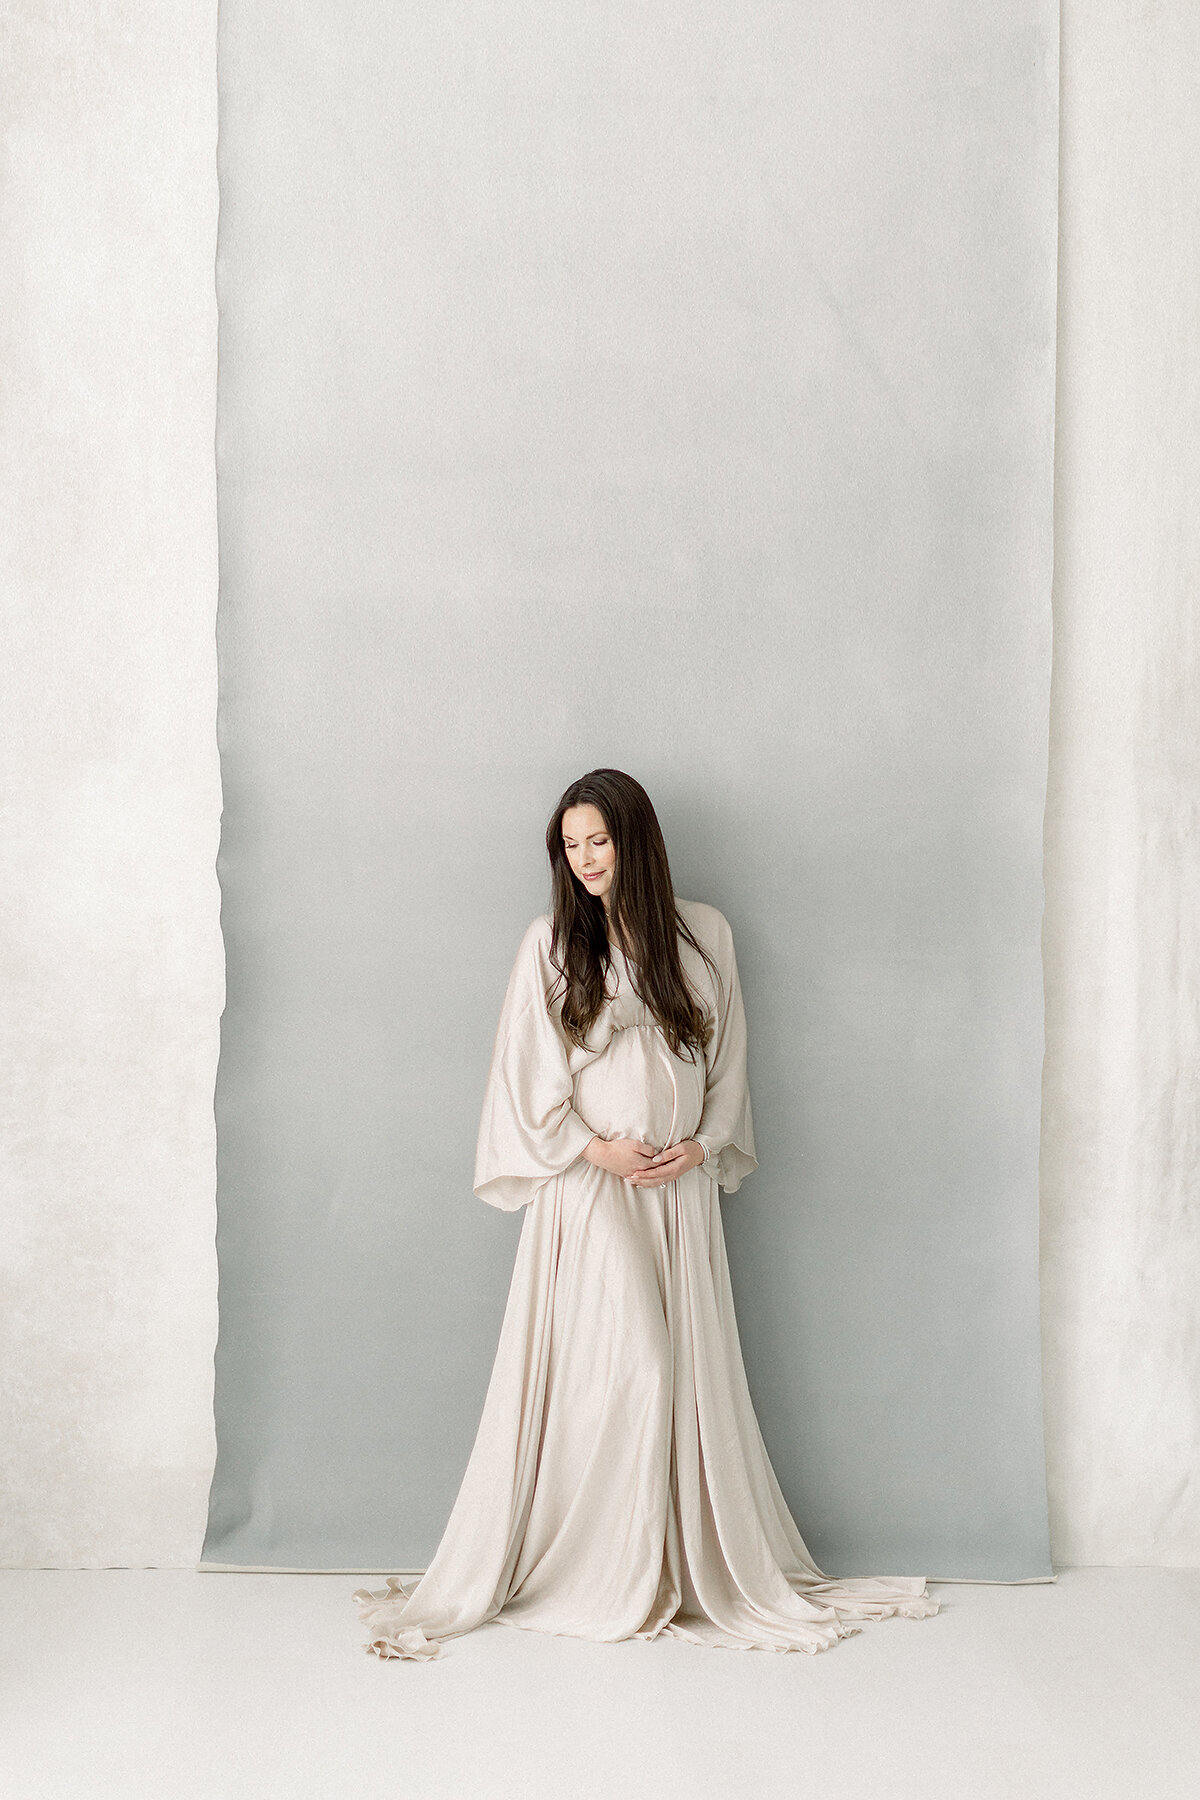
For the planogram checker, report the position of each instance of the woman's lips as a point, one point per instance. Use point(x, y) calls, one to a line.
point(595, 877)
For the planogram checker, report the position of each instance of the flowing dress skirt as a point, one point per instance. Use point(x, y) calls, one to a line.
point(619, 1485)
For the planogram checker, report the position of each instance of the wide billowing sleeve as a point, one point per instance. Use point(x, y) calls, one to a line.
point(529, 1131)
point(726, 1129)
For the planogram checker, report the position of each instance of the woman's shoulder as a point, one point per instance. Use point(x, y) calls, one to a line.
point(538, 933)
point(532, 969)
point(709, 925)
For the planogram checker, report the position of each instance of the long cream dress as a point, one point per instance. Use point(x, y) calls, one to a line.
point(619, 1485)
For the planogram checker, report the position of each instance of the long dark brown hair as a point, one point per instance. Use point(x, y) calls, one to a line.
point(642, 908)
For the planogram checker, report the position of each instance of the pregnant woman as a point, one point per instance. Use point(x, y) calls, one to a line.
point(619, 1486)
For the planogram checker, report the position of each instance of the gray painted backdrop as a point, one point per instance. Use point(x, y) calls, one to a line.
point(667, 386)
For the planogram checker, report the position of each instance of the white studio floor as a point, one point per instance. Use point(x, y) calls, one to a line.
point(190, 1686)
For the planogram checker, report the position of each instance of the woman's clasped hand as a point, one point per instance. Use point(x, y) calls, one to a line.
point(642, 1165)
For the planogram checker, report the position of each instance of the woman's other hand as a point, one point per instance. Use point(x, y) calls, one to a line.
point(668, 1165)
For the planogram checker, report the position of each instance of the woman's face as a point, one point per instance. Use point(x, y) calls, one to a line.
point(589, 849)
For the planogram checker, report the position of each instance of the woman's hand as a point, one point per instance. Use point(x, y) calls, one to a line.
point(668, 1165)
point(620, 1156)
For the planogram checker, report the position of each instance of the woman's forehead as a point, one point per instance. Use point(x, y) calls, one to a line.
point(583, 821)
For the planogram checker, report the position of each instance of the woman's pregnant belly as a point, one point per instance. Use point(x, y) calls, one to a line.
point(635, 1088)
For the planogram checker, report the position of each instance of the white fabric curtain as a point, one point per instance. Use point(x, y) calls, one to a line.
point(1121, 1117)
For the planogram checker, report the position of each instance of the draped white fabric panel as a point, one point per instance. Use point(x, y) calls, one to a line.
point(110, 800)
point(1121, 1122)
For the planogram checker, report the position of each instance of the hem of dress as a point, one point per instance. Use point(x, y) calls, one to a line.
point(394, 1641)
